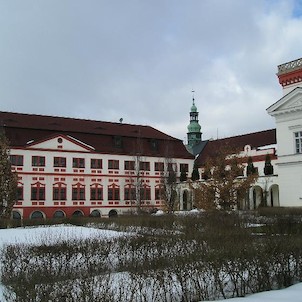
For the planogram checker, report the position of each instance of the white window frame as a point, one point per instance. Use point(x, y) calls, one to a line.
point(298, 142)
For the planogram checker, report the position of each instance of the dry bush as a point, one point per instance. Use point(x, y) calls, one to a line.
point(209, 256)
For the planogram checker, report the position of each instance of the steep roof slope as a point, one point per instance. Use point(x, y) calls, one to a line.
point(255, 140)
point(22, 128)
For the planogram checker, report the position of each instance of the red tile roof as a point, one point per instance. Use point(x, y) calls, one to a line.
point(22, 128)
point(255, 140)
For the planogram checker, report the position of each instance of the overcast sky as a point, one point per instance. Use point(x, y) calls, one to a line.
point(139, 60)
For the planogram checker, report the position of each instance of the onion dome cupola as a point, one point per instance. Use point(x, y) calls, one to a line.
point(194, 134)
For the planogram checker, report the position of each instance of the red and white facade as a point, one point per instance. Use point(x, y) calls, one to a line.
point(255, 146)
point(71, 171)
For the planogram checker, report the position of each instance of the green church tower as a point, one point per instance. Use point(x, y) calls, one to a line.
point(194, 134)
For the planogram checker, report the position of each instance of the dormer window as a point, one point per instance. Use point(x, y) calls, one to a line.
point(117, 141)
point(154, 144)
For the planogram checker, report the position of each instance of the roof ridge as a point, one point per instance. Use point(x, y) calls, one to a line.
point(74, 118)
point(242, 135)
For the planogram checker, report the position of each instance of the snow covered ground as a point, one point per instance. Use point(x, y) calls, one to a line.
point(52, 234)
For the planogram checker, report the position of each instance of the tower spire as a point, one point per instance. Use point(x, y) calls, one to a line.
point(193, 134)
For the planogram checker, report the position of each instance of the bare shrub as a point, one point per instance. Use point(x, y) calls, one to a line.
point(203, 257)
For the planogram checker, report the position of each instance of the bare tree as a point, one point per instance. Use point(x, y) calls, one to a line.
point(226, 186)
point(169, 184)
point(138, 182)
point(8, 180)
point(136, 178)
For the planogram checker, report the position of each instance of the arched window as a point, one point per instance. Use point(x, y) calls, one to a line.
point(59, 191)
point(95, 213)
point(59, 214)
point(96, 192)
point(37, 215)
point(37, 191)
point(77, 213)
point(78, 192)
point(112, 213)
point(16, 215)
point(113, 192)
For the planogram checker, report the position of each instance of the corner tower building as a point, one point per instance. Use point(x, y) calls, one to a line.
point(288, 116)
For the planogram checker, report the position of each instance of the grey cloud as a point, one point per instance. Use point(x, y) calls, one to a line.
point(140, 59)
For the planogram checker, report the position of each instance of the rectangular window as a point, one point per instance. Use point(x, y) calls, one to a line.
point(113, 193)
point(96, 193)
point(146, 193)
point(37, 193)
point(159, 166)
point(96, 163)
point(38, 161)
point(158, 193)
point(16, 160)
point(129, 165)
point(78, 162)
point(59, 193)
point(129, 193)
point(113, 164)
point(59, 162)
point(184, 168)
point(78, 193)
point(298, 141)
point(172, 167)
point(144, 166)
point(20, 193)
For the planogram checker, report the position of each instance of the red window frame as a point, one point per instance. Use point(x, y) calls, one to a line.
point(96, 192)
point(144, 166)
point(113, 164)
point(20, 192)
point(158, 192)
point(37, 191)
point(129, 165)
point(16, 160)
point(159, 166)
point(96, 163)
point(78, 192)
point(145, 192)
point(129, 192)
point(172, 167)
point(59, 162)
point(78, 162)
point(113, 192)
point(38, 161)
point(59, 191)
point(184, 168)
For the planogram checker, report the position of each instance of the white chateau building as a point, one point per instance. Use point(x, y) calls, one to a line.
point(288, 116)
point(73, 167)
